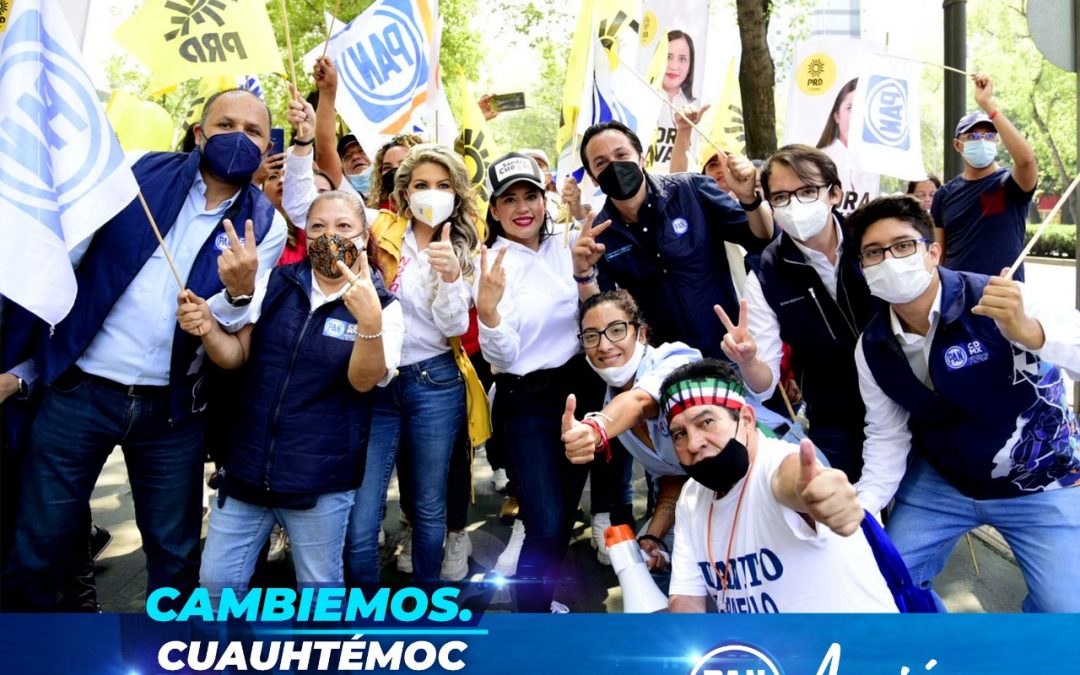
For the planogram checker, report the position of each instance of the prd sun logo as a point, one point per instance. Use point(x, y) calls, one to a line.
point(196, 10)
point(476, 159)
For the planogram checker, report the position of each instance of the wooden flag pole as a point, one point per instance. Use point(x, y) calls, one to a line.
point(926, 63)
point(330, 30)
point(288, 44)
point(161, 241)
point(1042, 228)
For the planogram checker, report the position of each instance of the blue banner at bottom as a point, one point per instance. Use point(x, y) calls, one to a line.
point(520, 644)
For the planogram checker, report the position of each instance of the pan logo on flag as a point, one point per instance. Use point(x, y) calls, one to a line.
point(53, 149)
point(816, 74)
point(384, 68)
point(736, 658)
point(886, 121)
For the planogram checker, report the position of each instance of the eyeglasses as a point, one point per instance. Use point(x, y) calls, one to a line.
point(808, 194)
point(901, 249)
point(615, 332)
point(980, 136)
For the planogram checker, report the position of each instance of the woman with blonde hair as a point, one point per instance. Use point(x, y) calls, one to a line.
point(426, 255)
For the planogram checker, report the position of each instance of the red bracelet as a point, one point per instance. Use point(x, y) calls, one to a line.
point(604, 444)
point(993, 115)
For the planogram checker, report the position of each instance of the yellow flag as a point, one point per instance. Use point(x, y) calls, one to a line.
point(577, 75)
point(140, 125)
point(727, 128)
point(477, 146)
point(180, 41)
point(5, 14)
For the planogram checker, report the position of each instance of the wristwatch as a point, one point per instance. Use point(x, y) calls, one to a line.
point(21, 390)
point(751, 206)
point(239, 300)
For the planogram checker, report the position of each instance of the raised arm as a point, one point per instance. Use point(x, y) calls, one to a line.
point(1025, 171)
point(325, 119)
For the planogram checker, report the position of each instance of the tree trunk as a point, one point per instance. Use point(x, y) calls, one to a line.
point(757, 78)
point(1059, 165)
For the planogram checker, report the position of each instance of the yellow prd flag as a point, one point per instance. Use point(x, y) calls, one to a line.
point(140, 125)
point(477, 146)
point(727, 119)
point(5, 14)
point(180, 41)
point(577, 86)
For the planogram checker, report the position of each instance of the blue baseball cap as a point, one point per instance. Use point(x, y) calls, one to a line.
point(970, 120)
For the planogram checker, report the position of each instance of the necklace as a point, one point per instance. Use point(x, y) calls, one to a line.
point(731, 536)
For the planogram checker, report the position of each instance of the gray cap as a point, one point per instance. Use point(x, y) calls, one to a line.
point(971, 119)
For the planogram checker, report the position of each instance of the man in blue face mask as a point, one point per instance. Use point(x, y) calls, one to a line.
point(980, 215)
point(119, 371)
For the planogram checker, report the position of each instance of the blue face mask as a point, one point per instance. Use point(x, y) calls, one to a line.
point(361, 182)
point(232, 157)
point(980, 154)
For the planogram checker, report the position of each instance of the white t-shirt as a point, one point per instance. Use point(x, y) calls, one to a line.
point(859, 187)
point(778, 563)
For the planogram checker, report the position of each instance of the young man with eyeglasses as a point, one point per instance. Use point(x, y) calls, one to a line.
point(807, 293)
point(980, 215)
point(964, 370)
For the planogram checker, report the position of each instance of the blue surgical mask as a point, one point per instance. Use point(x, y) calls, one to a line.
point(980, 154)
point(232, 157)
point(361, 182)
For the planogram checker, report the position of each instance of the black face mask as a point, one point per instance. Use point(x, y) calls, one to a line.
point(621, 180)
point(388, 182)
point(723, 470)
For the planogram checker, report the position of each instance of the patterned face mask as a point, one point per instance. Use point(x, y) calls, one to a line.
point(325, 251)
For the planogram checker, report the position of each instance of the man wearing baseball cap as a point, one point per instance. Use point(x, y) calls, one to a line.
point(980, 215)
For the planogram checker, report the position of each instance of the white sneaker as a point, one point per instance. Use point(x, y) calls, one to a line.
point(456, 552)
point(404, 555)
point(559, 608)
point(279, 542)
point(499, 480)
point(507, 563)
point(600, 523)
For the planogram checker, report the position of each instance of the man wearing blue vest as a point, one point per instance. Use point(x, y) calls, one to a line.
point(964, 371)
point(665, 241)
point(119, 371)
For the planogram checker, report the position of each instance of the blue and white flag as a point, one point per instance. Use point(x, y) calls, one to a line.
point(62, 172)
point(886, 134)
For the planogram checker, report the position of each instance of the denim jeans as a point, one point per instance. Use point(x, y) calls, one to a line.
point(1042, 529)
point(528, 413)
point(80, 421)
point(421, 411)
point(238, 531)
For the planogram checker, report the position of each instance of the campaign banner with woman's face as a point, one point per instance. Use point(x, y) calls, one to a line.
point(820, 98)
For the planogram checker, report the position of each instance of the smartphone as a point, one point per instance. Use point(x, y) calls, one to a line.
point(503, 102)
point(277, 141)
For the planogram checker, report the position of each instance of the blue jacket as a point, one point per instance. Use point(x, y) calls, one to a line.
point(19, 333)
point(681, 270)
point(822, 333)
point(997, 423)
point(300, 428)
point(121, 248)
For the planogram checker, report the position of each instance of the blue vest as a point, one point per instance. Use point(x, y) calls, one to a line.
point(121, 248)
point(822, 333)
point(997, 424)
point(300, 426)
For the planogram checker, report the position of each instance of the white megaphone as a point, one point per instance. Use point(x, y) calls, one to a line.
point(639, 591)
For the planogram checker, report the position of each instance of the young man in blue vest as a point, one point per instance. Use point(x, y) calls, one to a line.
point(964, 372)
point(119, 371)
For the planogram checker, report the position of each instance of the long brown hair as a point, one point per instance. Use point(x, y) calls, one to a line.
point(375, 195)
point(832, 128)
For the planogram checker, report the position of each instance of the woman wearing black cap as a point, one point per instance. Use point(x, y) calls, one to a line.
point(527, 301)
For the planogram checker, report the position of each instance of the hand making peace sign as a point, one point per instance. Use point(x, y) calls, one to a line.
point(238, 264)
point(738, 343)
point(361, 298)
point(491, 287)
point(587, 252)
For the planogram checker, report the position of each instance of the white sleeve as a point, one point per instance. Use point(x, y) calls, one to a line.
point(664, 360)
point(685, 574)
point(232, 318)
point(888, 440)
point(1061, 328)
point(450, 309)
point(765, 329)
point(501, 345)
point(298, 190)
point(393, 327)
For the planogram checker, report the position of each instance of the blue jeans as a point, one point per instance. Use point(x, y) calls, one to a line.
point(238, 531)
point(1043, 530)
point(422, 409)
point(80, 421)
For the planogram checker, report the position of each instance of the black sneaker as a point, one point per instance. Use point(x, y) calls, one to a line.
point(99, 541)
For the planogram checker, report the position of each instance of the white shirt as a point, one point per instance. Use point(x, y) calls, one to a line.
point(434, 310)
point(888, 438)
point(779, 563)
point(538, 312)
point(298, 189)
point(763, 323)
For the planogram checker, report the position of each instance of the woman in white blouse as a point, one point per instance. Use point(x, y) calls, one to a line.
point(527, 301)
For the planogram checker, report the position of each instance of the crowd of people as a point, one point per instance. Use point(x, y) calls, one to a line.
point(349, 312)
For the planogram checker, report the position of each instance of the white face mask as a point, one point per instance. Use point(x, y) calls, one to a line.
point(432, 207)
point(618, 376)
point(803, 221)
point(899, 280)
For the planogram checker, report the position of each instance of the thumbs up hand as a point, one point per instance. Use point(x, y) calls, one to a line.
point(579, 439)
point(827, 494)
point(442, 257)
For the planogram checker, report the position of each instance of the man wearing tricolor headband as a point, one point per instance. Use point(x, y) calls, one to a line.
point(761, 526)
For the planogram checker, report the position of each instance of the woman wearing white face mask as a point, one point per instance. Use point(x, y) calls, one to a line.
point(426, 257)
point(614, 336)
point(811, 295)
